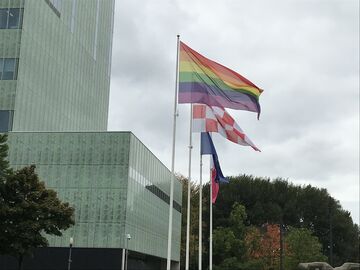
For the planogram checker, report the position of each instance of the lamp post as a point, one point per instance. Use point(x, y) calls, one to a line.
point(128, 237)
point(71, 241)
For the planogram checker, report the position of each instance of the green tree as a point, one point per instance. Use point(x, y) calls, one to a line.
point(302, 246)
point(280, 202)
point(4, 163)
point(229, 244)
point(28, 210)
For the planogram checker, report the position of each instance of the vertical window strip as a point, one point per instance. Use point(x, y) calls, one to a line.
point(96, 27)
point(73, 15)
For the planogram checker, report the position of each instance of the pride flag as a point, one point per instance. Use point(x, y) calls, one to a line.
point(204, 81)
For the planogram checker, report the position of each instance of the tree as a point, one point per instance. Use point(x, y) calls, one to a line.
point(28, 210)
point(280, 202)
point(263, 245)
point(302, 246)
point(4, 163)
point(229, 245)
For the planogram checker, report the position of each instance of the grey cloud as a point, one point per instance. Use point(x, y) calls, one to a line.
point(303, 53)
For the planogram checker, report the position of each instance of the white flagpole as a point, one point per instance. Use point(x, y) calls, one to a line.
point(211, 218)
point(168, 261)
point(200, 214)
point(188, 193)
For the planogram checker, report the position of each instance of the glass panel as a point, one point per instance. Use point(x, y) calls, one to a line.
point(21, 17)
point(9, 68)
point(3, 18)
point(1, 67)
point(5, 121)
point(16, 68)
point(14, 18)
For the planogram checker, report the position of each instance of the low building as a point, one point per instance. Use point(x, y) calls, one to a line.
point(117, 187)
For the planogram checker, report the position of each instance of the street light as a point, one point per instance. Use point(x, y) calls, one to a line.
point(71, 242)
point(125, 253)
point(128, 237)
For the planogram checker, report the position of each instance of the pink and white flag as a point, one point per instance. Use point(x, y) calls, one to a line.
point(215, 119)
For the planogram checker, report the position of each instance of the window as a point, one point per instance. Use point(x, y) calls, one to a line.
point(5, 120)
point(8, 68)
point(11, 18)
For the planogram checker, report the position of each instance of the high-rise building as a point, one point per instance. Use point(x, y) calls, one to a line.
point(55, 61)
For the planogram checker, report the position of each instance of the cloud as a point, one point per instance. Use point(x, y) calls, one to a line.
point(303, 53)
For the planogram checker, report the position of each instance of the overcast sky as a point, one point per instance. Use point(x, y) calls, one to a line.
point(304, 54)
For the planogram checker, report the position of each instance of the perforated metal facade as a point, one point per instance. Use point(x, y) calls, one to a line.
point(115, 183)
point(64, 52)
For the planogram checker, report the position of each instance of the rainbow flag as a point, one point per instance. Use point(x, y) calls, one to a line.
point(204, 81)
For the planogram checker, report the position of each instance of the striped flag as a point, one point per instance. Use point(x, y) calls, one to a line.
point(216, 119)
point(207, 82)
point(214, 184)
point(208, 148)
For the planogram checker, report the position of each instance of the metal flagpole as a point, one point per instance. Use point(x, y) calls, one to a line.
point(200, 213)
point(211, 217)
point(168, 261)
point(188, 193)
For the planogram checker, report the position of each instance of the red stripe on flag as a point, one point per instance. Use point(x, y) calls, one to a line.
point(214, 185)
point(211, 125)
point(228, 119)
point(199, 111)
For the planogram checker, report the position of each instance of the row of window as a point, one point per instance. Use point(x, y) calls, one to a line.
point(163, 196)
point(11, 18)
point(8, 68)
point(5, 120)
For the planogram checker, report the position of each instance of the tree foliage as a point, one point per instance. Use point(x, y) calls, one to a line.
point(4, 163)
point(28, 210)
point(229, 245)
point(302, 246)
point(264, 244)
point(297, 206)
point(271, 203)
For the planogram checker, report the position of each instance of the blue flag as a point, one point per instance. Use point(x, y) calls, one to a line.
point(208, 148)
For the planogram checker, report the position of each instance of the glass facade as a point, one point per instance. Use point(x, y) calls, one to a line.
point(63, 74)
point(114, 182)
point(11, 17)
point(55, 63)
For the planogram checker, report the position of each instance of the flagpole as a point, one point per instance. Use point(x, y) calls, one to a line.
point(211, 220)
point(188, 193)
point(200, 214)
point(168, 261)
